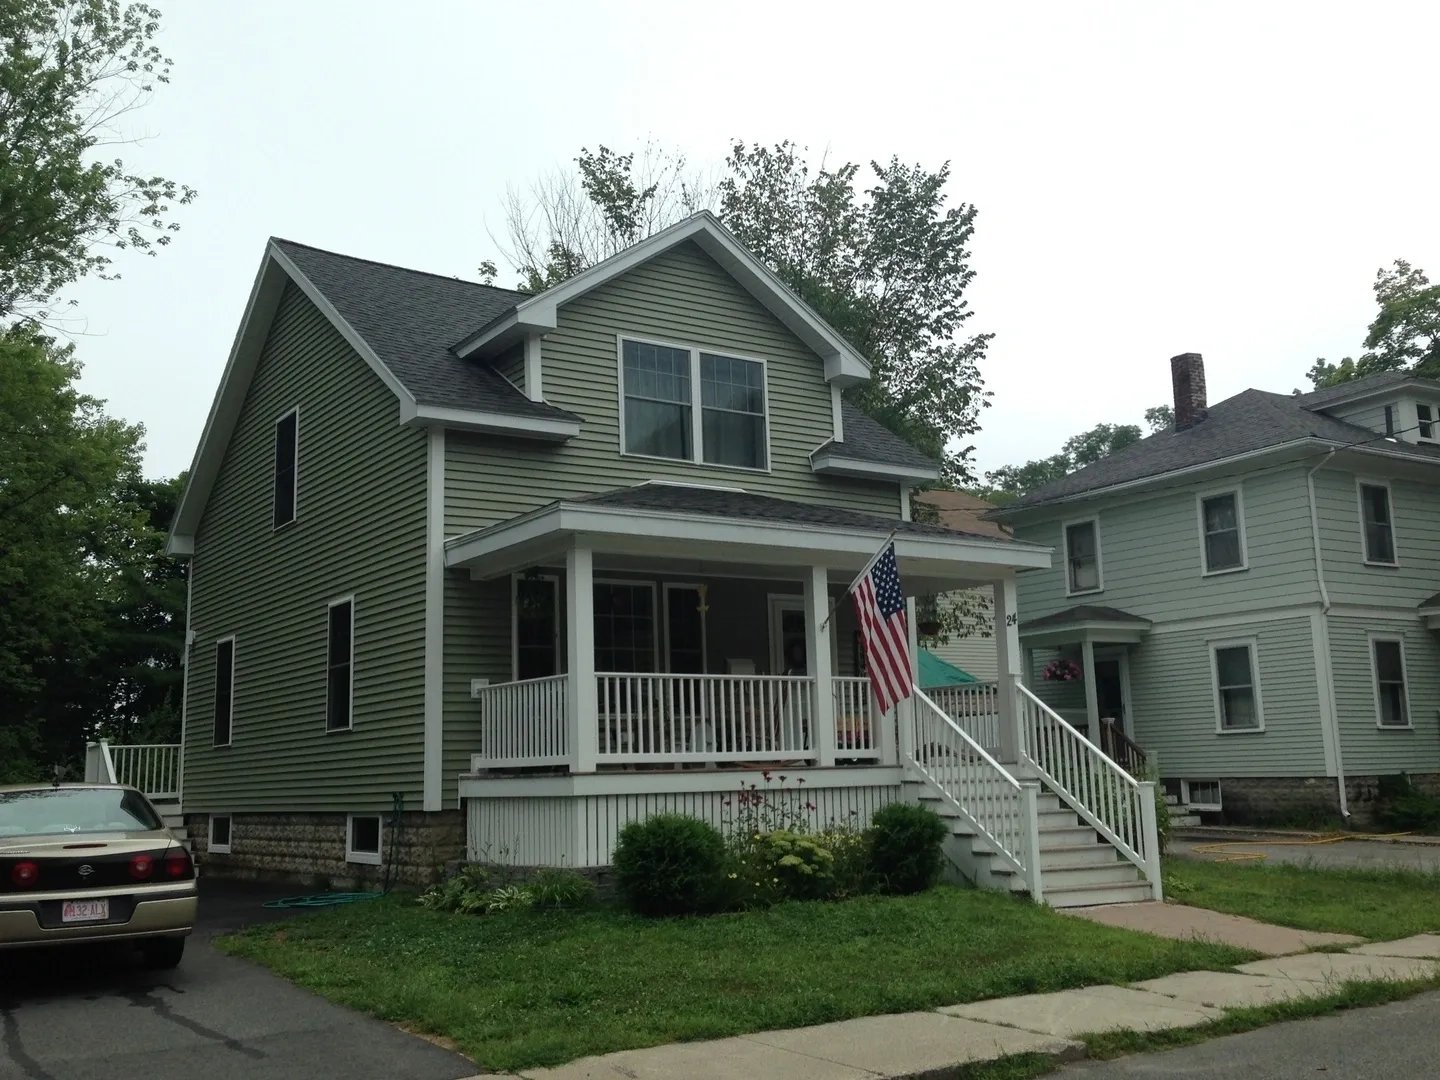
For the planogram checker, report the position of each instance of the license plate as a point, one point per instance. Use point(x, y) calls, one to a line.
point(85, 911)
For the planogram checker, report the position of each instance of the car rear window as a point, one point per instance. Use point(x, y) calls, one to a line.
point(45, 811)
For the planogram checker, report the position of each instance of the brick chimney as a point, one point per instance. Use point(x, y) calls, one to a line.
point(1187, 377)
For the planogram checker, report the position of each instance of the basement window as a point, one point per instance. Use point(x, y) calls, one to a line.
point(362, 839)
point(219, 841)
point(1200, 794)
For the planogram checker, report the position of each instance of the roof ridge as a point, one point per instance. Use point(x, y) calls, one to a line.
point(396, 266)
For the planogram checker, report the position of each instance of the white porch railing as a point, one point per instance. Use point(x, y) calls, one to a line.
point(975, 707)
point(1115, 804)
point(663, 718)
point(1003, 811)
point(524, 723)
point(857, 720)
point(154, 768)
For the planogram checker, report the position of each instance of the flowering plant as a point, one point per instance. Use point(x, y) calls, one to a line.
point(1061, 671)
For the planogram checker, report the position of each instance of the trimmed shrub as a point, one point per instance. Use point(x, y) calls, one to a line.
point(905, 855)
point(669, 864)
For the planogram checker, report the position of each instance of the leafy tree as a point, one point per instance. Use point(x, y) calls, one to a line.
point(1011, 481)
point(70, 71)
point(1405, 333)
point(1160, 418)
point(884, 260)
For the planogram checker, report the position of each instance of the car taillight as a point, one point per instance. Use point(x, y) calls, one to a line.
point(23, 875)
point(177, 864)
point(141, 867)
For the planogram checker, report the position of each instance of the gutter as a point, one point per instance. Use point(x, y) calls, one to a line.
point(1324, 625)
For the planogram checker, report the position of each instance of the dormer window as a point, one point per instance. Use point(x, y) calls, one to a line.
point(1427, 421)
point(1389, 419)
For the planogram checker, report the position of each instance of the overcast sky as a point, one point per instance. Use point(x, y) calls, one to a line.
point(1151, 178)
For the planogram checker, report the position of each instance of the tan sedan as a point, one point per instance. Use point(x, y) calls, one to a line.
point(92, 862)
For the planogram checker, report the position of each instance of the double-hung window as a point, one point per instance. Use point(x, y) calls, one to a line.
point(1427, 418)
point(690, 405)
point(1082, 556)
point(287, 461)
point(1392, 702)
point(1237, 687)
point(1376, 524)
point(340, 666)
point(624, 626)
point(1222, 530)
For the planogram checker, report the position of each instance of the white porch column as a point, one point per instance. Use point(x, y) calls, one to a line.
point(817, 661)
point(581, 711)
point(1007, 656)
point(1092, 701)
point(905, 709)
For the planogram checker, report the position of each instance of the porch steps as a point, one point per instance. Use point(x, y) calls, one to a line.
point(174, 821)
point(1077, 867)
point(1180, 817)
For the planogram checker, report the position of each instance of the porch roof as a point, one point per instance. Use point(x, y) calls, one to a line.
point(730, 525)
point(1085, 622)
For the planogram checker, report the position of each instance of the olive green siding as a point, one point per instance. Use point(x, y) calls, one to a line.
point(1415, 510)
point(1368, 749)
point(1174, 709)
point(360, 530)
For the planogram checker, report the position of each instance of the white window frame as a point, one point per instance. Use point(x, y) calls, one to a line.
point(656, 614)
point(295, 469)
point(686, 586)
point(1200, 498)
point(1065, 527)
point(1434, 422)
point(234, 641)
point(1187, 797)
point(515, 623)
point(1253, 645)
point(697, 410)
point(210, 844)
point(350, 710)
point(366, 858)
point(1399, 639)
point(1361, 483)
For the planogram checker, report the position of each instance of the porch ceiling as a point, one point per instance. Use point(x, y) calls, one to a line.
point(702, 526)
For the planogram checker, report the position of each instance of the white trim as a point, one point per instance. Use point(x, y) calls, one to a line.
point(365, 858)
point(234, 641)
point(554, 580)
point(827, 461)
point(294, 410)
point(433, 771)
point(544, 429)
point(837, 413)
point(1401, 612)
point(1065, 527)
point(1252, 644)
point(210, 843)
point(1325, 690)
point(1190, 804)
point(1200, 499)
point(534, 385)
point(1371, 638)
point(694, 587)
point(1223, 622)
point(1433, 422)
point(697, 406)
point(677, 781)
point(648, 583)
point(350, 710)
point(1361, 483)
point(905, 511)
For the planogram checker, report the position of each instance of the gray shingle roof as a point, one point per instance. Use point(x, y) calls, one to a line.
point(1432, 602)
point(869, 440)
point(716, 502)
point(1084, 613)
point(1250, 421)
point(411, 318)
point(1318, 399)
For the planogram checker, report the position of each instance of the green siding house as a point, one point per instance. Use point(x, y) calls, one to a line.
point(1251, 598)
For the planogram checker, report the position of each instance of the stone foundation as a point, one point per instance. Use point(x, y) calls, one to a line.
point(1305, 801)
point(309, 849)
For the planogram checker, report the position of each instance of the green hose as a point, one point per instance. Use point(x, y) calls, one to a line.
point(329, 899)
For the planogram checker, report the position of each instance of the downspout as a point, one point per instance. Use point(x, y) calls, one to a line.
point(1324, 617)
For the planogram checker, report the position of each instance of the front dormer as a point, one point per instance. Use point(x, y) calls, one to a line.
point(1395, 404)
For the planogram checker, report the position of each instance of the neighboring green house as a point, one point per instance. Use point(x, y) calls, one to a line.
point(1254, 595)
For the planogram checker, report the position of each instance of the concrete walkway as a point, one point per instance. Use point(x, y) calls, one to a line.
point(930, 1043)
point(1201, 924)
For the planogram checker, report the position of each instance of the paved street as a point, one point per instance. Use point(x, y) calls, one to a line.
point(1389, 1041)
point(98, 1015)
point(1373, 854)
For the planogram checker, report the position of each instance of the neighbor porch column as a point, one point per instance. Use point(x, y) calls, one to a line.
point(1092, 701)
point(817, 661)
point(1007, 666)
point(581, 710)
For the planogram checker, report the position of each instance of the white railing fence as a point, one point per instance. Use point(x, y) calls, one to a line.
point(857, 720)
point(154, 768)
point(1004, 812)
point(1115, 804)
point(662, 718)
point(524, 723)
point(975, 707)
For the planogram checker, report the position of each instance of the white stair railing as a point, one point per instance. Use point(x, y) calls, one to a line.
point(154, 768)
point(975, 707)
point(1003, 811)
point(1107, 798)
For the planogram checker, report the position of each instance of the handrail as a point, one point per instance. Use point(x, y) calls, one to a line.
point(1003, 811)
point(1125, 750)
point(1111, 801)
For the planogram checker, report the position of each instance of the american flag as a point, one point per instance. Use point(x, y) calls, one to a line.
point(880, 609)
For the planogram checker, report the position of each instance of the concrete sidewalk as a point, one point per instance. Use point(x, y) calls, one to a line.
point(924, 1044)
point(1200, 924)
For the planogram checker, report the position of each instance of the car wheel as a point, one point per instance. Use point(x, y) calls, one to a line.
point(160, 953)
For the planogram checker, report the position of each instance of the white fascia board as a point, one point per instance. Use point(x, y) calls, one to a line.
point(506, 330)
point(488, 423)
point(1389, 390)
point(830, 464)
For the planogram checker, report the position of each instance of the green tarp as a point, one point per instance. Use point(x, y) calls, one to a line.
point(937, 672)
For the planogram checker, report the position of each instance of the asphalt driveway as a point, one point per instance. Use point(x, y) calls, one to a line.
point(97, 1014)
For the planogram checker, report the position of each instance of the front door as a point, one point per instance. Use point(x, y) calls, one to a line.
point(787, 635)
point(1110, 692)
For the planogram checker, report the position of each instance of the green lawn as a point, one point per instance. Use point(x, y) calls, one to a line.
point(535, 989)
point(1377, 904)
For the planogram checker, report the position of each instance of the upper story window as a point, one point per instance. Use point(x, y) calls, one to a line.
point(1387, 658)
point(287, 462)
point(1427, 419)
point(1237, 688)
point(1222, 532)
point(224, 690)
point(1376, 524)
point(1389, 419)
point(340, 665)
point(1082, 556)
point(689, 405)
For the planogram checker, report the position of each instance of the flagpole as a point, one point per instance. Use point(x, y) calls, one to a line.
point(835, 604)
